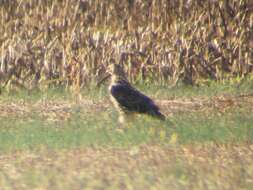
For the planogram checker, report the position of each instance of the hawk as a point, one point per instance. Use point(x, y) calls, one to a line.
point(127, 99)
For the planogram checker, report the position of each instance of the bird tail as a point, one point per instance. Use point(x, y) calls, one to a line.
point(159, 115)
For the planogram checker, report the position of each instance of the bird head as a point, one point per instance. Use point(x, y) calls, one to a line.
point(116, 70)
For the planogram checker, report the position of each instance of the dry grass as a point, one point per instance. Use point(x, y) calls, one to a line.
point(69, 42)
point(145, 167)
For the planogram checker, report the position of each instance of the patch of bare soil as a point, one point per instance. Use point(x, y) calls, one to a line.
point(63, 110)
point(218, 103)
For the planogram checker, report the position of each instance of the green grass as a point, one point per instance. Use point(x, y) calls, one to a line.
point(212, 88)
point(82, 148)
point(101, 130)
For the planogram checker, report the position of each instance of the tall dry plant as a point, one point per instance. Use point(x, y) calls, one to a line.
point(69, 42)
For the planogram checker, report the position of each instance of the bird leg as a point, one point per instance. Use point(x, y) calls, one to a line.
point(125, 118)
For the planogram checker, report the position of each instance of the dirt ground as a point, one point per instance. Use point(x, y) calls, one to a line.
point(63, 109)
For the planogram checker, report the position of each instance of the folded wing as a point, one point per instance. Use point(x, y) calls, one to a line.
point(132, 100)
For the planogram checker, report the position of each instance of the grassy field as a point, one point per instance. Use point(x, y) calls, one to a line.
point(53, 140)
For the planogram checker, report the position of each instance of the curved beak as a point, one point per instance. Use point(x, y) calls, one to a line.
point(103, 79)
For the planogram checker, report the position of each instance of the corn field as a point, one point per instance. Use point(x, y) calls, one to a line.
point(70, 42)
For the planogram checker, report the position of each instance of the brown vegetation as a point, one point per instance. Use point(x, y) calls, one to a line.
point(146, 167)
point(70, 42)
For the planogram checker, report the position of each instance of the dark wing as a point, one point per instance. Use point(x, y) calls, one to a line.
point(132, 100)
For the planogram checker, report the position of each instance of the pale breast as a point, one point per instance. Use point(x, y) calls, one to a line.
point(113, 100)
